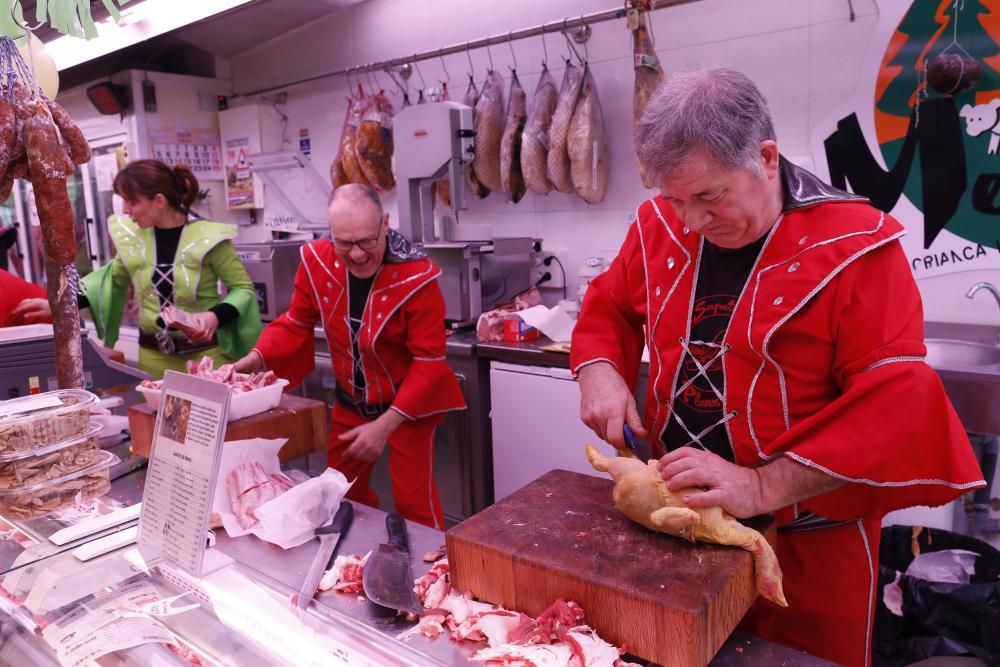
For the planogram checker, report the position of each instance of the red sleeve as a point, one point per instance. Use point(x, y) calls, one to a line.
point(287, 345)
point(429, 386)
point(892, 433)
point(14, 291)
point(609, 327)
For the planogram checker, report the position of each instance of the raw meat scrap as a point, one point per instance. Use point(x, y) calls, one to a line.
point(346, 574)
point(239, 383)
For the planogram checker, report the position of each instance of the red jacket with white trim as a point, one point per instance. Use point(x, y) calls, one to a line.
point(826, 356)
point(402, 336)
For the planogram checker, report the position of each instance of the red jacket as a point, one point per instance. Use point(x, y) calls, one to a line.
point(825, 366)
point(13, 291)
point(402, 336)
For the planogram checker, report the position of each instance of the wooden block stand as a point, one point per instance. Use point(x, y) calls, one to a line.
point(301, 420)
point(664, 599)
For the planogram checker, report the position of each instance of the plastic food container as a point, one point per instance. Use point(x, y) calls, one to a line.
point(26, 468)
point(31, 422)
point(35, 500)
point(241, 405)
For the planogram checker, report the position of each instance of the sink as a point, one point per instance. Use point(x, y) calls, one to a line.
point(967, 359)
point(949, 353)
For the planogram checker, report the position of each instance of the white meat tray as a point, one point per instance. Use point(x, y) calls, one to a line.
point(240, 405)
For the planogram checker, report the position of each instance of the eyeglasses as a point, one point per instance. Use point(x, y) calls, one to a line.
point(365, 244)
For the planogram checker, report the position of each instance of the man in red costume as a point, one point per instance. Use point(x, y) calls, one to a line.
point(17, 301)
point(787, 368)
point(377, 298)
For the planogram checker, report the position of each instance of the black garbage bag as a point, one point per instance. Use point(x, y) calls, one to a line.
point(939, 619)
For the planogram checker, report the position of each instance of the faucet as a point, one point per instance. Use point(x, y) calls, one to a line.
point(992, 289)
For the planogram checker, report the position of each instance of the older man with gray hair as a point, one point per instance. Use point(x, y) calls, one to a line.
point(377, 298)
point(786, 355)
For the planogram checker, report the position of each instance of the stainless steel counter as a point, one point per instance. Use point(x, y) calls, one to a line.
point(288, 567)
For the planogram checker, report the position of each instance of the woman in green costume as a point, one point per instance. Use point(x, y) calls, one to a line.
point(172, 258)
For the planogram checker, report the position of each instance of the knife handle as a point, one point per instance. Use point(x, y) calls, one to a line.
point(395, 525)
point(342, 519)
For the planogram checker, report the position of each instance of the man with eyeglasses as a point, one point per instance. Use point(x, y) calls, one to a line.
point(377, 298)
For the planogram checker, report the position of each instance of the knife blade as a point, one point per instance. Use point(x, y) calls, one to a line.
point(329, 537)
point(388, 579)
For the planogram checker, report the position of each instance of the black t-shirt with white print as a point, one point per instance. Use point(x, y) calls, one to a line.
point(721, 277)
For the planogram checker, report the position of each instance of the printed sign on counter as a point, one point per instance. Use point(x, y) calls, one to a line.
point(183, 466)
point(113, 623)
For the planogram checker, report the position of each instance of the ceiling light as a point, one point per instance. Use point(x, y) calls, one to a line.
point(138, 23)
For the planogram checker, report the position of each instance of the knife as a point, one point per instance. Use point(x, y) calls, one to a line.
point(388, 579)
point(630, 440)
point(329, 536)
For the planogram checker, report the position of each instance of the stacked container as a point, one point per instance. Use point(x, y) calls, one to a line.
point(49, 453)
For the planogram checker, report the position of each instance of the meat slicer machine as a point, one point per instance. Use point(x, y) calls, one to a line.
point(433, 141)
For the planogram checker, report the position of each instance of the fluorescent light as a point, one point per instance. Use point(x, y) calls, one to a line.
point(139, 22)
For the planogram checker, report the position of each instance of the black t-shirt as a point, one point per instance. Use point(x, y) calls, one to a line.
point(721, 277)
point(357, 295)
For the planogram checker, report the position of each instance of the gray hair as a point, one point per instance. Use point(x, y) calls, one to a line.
point(716, 109)
point(356, 193)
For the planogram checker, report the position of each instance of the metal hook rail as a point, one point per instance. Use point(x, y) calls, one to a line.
point(558, 25)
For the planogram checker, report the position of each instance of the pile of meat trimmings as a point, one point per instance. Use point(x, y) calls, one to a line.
point(558, 637)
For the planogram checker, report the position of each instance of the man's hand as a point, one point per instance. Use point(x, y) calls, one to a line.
point(251, 363)
point(368, 440)
point(713, 481)
point(606, 404)
point(202, 328)
point(33, 310)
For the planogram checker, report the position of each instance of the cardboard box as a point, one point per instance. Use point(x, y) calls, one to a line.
point(515, 330)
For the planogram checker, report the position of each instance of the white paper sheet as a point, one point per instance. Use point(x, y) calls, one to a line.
point(290, 519)
point(553, 322)
point(236, 453)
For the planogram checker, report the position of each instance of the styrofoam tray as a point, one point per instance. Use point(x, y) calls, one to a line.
point(240, 405)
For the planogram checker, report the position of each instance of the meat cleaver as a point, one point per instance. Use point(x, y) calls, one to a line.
point(388, 579)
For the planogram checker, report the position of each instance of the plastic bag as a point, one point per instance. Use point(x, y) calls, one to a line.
point(374, 144)
point(938, 618)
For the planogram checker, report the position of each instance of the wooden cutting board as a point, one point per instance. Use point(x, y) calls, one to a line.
point(663, 598)
point(301, 420)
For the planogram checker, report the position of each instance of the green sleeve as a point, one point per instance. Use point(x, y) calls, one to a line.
point(106, 290)
point(119, 274)
point(237, 337)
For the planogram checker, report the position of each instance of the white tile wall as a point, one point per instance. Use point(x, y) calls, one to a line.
point(805, 55)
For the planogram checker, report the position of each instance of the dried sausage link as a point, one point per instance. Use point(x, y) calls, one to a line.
point(46, 169)
point(79, 149)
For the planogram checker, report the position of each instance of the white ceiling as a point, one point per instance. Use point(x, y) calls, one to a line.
point(260, 21)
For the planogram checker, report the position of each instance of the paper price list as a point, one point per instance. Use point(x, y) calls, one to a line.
point(172, 504)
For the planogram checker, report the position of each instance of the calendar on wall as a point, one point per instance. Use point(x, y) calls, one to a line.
point(200, 150)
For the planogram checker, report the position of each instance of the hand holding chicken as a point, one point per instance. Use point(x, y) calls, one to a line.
point(642, 495)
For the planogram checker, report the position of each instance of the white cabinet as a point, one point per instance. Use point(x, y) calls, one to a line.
point(535, 416)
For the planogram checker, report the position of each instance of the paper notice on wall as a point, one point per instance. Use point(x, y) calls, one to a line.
point(278, 217)
point(239, 181)
point(105, 170)
point(200, 150)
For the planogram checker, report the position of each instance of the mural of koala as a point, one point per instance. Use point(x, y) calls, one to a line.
point(982, 118)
